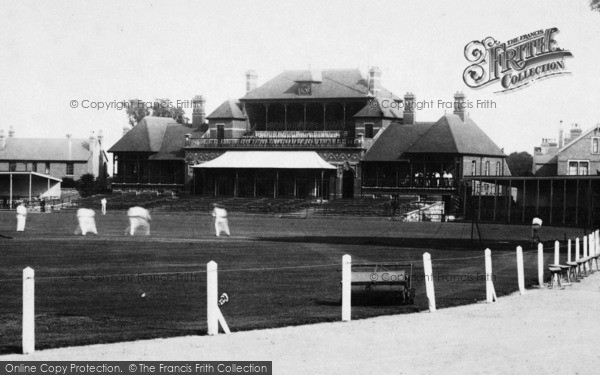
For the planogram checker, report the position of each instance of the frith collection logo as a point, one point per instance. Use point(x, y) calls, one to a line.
point(516, 63)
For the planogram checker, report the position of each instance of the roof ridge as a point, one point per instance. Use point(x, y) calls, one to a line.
point(583, 134)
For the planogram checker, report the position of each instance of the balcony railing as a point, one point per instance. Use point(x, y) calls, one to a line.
point(252, 142)
point(414, 183)
point(305, 126)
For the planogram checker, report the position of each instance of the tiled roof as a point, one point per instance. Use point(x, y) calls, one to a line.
point(336, 83)
point(394, 140)
point(381, 107)
point(449, 135)
point(49, 149)
point(230, 109)
point(162, 136)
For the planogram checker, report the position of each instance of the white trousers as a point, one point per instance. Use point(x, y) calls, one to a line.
point(103, 209)
point(222, 225)
point(136, 223)
point(21, 223)
point(87, 225)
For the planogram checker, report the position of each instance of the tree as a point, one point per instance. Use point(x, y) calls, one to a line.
point(136, 111)
point(520, 163)
point(595, 5)
point(161, 107)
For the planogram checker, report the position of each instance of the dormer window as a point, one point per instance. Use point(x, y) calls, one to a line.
point(304, 88)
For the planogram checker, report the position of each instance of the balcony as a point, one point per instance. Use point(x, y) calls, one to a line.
point(277, 143)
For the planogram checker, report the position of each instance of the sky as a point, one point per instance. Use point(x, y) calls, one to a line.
point(56, 52)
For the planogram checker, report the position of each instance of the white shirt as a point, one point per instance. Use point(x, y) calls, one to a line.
point(21, 210)
point(219, 213)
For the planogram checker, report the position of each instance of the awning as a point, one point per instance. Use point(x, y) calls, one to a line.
point(268, 160)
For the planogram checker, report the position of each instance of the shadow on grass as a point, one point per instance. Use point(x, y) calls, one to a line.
point(427, 243)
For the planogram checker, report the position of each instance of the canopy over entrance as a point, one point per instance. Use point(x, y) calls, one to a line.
point(268, 160)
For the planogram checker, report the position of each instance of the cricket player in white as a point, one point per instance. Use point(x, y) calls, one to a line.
point(87, 223)
point(103, 202)
point(221, 223)
point(21, 217)
point(139, 218)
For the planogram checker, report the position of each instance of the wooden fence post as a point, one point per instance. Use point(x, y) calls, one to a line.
point(520, 270)
point(586, 267)
point(541, 265)
point(569, 251)
point(490, 292)
point(429, 281)
point(212, 299)
point(346, 287)
point(28, 310)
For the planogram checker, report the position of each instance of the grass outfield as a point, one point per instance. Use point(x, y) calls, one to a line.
point(277, 272)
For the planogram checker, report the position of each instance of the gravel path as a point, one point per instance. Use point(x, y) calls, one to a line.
point(544, 331)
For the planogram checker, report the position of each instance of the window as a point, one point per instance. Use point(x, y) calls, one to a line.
point(487, 168)
point(34, 166)
point(220, 131)
point(498, 168)
point(368, 130)
point(473, 167)
point(595, 149)
point(47, 168)
point(579, 167)
point(12, 166)
point(70, 168)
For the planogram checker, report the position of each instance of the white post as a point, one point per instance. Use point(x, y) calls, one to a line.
point(212, 299)
point(592, 249)
point(28, 311)
point(541, 265)
point(585, 253)
point(520, 270)
point(346, 287)
point(569, 251)
point(577, 248)
point(489, 283)
point(429, 281)
point(556, 258)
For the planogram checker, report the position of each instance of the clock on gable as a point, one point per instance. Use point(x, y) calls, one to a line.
point(304, 88)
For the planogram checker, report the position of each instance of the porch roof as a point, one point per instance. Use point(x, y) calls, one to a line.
point(268, 160)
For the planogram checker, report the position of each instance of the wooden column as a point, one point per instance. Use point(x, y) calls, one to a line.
point(564, 200)
point(551, 198)
point(11, 192)
point(235, 187)
point(537, 199)
point(324, 111)
point(495, 197)
point(285, 116)
point(524, 196)
point(30, 176)
point(576, 201)
point(509, 199)
point(479, 208)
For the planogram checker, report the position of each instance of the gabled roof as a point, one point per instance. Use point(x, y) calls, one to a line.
point(395, 140)
point(380, 107)
point(583, 135)
point(450, 135)
point(46, 149)
point(162, 136)
point(230, 109)
point(336, 83)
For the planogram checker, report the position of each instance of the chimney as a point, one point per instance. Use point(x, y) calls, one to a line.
point(198, 114)
point(408, 116)
point(561, 135)
point(94, 166)
point(251, 79)
point(459, 105)
point(575, 131)
point(11, 132)
point(374, 80)
point(2, 140)
point(70, 146)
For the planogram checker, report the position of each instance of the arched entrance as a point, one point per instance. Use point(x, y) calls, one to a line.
point(348, 183)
